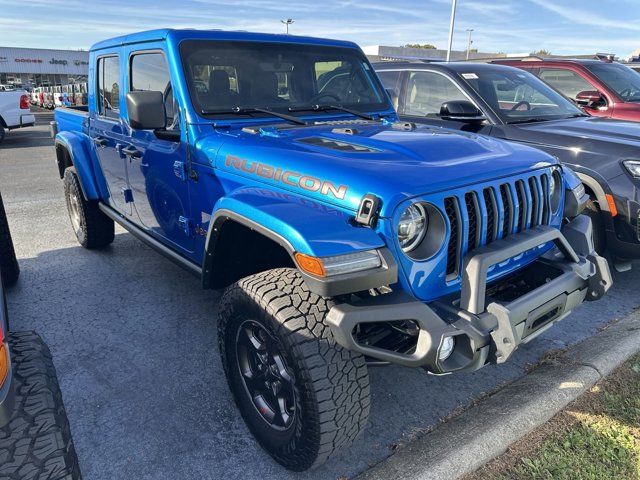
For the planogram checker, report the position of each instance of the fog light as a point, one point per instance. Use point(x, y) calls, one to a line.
point(446, 349)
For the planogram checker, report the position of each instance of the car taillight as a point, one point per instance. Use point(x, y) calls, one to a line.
point(24, 102)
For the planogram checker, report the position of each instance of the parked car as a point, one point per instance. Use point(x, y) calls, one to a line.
point(340, 235)
point(603, 88)
point(9, 268)
point(510, 104)
point(48, 98)
point(80, 94)
point(35, 438)
point(58, 97)
point(14, 111)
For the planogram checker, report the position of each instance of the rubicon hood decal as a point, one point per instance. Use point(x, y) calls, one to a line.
point(287, 177)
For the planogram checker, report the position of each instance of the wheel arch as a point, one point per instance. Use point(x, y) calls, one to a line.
point(72, 150)
point(266, 228)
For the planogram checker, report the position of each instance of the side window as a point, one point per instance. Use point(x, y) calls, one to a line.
point(149, 72)
point(427, 91)
point(391, 81)
point(109, 87)
point(567, 82)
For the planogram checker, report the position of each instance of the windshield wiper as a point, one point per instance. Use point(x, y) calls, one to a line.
point(324, 108)
point(250, 110)
point(530, 120)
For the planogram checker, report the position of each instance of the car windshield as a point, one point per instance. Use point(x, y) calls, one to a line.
point(621, 79)
point(518, 97)
point(227, 78)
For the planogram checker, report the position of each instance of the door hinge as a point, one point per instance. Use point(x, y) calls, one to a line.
point(128, 195)
point(179, 170)
point(185, 225)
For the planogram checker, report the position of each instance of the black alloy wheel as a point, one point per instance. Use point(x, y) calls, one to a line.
point(265, 375)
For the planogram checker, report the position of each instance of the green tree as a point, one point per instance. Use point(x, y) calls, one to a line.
point(426, 46)
point(542, 53)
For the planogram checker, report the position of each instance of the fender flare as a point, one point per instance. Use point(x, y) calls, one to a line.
point(81, 155)
point(596, 186)
point(298, 225)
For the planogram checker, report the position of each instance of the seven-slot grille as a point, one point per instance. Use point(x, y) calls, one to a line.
point(486, 214)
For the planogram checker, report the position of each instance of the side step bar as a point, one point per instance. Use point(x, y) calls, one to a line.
point(137, 232)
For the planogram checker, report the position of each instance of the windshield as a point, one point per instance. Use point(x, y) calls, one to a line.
point(222, 76)
point(619, 78)
point(517, 96)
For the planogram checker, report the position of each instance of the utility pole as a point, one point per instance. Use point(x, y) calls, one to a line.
point(453, 21)
point(469, 42)
point(286, 23)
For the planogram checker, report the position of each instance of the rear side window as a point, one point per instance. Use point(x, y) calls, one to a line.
point(109, 87)
point(567, 82)
point(149, 72)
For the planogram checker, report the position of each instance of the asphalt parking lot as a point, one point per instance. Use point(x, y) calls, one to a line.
point(134, 343)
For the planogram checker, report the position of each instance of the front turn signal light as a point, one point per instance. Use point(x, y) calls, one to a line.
point(309, 264)
point(4, 363)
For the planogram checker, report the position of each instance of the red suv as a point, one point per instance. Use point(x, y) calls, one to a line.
point(601, 87)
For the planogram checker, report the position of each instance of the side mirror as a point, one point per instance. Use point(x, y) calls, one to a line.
point(588, 97)
point(462, 111)
point(146, 110)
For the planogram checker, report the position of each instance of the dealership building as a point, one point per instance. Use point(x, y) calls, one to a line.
point(36, 67)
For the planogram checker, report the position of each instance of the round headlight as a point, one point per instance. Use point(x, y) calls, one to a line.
point(555, 190)
point(412, 227)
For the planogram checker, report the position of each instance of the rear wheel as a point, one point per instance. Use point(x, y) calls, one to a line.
point(9, 268)
point(302, 395)
point(93, 228)
point(599, 235)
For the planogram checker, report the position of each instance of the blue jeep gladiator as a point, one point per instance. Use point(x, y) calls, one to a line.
point(275, 167)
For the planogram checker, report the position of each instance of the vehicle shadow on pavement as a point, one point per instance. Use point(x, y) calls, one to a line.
point(24, 138)
point(135, 344)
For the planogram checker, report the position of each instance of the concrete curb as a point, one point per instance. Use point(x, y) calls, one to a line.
point(466, 442)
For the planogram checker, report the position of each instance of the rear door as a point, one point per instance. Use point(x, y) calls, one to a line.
point(156, 160)
point(107, 131)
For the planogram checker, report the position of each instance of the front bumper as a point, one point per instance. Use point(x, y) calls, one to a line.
point(486, 325)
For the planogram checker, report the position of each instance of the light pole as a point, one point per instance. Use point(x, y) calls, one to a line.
point(453, 21)
point(286, 23)
point(469, 42)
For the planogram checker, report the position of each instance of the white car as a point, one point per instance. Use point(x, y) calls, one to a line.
point(14, 111)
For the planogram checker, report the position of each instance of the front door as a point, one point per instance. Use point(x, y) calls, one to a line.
point(156, 161)
point(107, 133)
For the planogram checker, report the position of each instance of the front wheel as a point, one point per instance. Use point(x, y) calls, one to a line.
point(93, 228)
point(302, 395)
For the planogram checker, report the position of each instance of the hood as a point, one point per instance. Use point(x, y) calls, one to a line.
point(593, 142)
point(339, 164)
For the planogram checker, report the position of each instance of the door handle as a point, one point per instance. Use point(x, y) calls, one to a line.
point(131, 152)
point(100, 142)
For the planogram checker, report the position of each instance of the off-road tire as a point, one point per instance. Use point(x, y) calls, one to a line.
point(599, 235)
point(94, 229)
point(331, 383)
point(9, 268)
point(36, 443)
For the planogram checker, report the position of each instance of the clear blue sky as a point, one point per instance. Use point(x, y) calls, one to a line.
point(561, 26)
